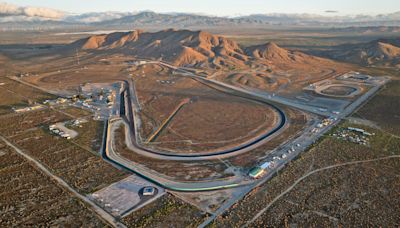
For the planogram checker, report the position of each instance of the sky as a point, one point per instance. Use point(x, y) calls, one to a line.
point(221, 7)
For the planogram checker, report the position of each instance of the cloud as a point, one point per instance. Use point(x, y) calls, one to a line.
point(7, 9)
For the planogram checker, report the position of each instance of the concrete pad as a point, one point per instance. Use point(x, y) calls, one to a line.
point(125, 196)
point(72, 133)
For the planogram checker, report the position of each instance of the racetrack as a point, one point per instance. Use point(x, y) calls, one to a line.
point(238, 149)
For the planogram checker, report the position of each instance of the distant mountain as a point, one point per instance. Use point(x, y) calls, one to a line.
point(369, 29)
point(95, 17)
point(186, 19)
point(382, 52)
point(315, 19)
point(126, 20)
point(192, 48)
point(36, 24)
point(116, 20)
point(151, 19)
point(392, 41)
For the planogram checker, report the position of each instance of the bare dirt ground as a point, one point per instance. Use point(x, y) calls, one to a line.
point(74, 112)
point(345, 196)
point(210, 124)
point(298, 122)
point(83, 170)
point(167, 211)
point(213, 169)
point(65, 71)
point(383, 109)
point(209, 201)
point(315, 202)
point(212, 120)
point(175, 170)
point(339, 90)
point(13, 94)
point(286, 79)
point(258, 79)
point(14, 124)
point(79, 167)
point(90, 135)
point(30, 198)
point(358, 194)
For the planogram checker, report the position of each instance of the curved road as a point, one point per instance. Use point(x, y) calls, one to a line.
point(244, 147)
point(131, 138)
point(110, 155)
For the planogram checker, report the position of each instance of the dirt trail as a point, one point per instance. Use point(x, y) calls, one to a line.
point(309, 174)
point(98, 210)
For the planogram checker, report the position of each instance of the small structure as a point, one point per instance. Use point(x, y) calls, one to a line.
point(149, 191)
point(27, 109)
point(362, 131)
point(256, 172)
point(266, 165)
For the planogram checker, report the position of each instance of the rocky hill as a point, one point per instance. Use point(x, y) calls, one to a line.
point(191, 48)
point(382, 52)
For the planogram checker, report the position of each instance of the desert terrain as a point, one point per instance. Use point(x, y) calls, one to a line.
point(194, 112)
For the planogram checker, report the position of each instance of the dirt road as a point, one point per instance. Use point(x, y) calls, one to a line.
point(98, 210)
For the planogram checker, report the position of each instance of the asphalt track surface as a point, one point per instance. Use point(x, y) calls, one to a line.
point(111, 156)
point(127, 113)
point(210, 155)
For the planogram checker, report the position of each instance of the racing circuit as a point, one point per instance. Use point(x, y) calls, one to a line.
point(127, 107)
point(338, 90)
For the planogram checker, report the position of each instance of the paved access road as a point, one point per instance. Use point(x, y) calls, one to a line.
point(299, 142)
point(132, 104)
point(110, 154)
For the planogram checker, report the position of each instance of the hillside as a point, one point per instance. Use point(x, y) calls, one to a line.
point(192, 48)
point(382, 52)
point(276, 56)
point(269, 51)
point(182, 47)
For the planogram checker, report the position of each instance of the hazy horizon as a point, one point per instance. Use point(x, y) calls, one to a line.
point(220, 8)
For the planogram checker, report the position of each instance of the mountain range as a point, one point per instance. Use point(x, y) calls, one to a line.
point(192, 48)
point(13, 17)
